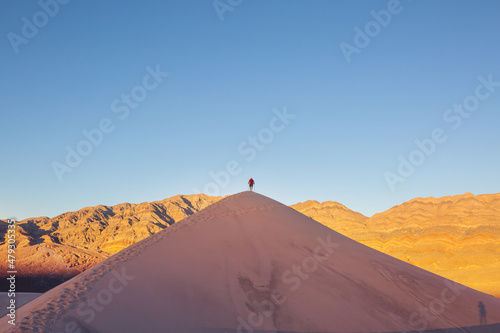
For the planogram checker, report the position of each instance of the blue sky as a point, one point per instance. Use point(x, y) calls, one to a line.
point(69, 67)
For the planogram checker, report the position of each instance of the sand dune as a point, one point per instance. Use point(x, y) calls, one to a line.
point(457, 237)
point(249, 263)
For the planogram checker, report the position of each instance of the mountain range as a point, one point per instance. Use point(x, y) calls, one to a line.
point(457, 237)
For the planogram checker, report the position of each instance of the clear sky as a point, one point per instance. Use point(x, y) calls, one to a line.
point(354, 83)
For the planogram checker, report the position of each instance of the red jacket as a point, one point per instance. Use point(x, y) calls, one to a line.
point(251, 182)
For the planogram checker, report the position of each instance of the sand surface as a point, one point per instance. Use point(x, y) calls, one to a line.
point(249, 263)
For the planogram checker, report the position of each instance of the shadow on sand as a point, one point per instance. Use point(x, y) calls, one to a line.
point(482, 313)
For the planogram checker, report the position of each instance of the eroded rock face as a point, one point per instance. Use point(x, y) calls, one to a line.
point(52, 250)
point(457, 237)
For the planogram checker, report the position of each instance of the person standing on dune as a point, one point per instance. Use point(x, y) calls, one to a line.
point(251, 182)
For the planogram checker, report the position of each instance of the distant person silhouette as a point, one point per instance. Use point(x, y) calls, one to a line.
point(482, 313)
point(251, 182)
